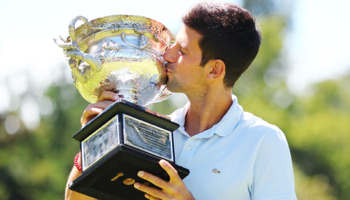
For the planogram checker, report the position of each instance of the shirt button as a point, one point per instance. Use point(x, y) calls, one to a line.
point(188, 148)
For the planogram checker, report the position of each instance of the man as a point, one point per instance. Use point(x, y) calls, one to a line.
point(231, 154)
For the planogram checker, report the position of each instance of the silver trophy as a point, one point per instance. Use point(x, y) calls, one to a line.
point(123, 54)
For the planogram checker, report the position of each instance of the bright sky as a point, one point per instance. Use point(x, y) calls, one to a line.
point(317, 45)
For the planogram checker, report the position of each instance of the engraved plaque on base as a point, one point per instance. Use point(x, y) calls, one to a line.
point(123, 54)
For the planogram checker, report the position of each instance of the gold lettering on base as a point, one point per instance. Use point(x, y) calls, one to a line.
point(129, 181)
point(117, 176)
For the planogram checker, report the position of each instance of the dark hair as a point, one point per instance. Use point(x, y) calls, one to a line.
point(229, 33)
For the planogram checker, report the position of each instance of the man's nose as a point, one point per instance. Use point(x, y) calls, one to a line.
point(170, 55)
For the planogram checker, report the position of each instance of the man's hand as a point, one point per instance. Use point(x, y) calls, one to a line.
point(105, 100)
point(175, 189)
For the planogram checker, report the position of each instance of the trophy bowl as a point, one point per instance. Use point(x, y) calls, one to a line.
point(123, 54)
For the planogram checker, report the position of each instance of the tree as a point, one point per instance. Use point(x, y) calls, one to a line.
point(35, 163)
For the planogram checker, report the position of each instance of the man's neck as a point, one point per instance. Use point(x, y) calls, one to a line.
point(207, 110)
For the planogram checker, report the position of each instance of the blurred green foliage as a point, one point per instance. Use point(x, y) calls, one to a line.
point(35, 163)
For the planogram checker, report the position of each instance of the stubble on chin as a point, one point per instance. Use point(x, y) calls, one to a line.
point(173, 86)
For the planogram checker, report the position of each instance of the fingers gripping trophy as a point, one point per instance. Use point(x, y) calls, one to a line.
point(123, 54)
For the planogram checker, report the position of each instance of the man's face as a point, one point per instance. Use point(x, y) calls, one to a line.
point(184, 71)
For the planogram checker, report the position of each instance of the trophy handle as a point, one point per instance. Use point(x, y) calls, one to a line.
point(94, 62)
point(72, 50)
point(71, 26)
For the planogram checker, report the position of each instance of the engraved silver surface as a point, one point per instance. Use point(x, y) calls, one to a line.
point(99, 143)
point(120, 53)
point(147, 137)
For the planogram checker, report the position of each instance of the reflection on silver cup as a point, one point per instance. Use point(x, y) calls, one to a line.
point(120, 53)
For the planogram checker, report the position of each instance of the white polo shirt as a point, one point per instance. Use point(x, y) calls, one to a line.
point(240, 158)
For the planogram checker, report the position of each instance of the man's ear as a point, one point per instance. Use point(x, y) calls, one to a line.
point(217, 69)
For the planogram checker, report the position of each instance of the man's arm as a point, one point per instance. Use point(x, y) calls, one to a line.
point(274, 178)
point(70, 194)
point(106, 99)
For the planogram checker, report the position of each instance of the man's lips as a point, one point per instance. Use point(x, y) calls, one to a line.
point(166, 70)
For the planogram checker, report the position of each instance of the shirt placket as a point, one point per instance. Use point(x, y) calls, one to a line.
point(188, 151)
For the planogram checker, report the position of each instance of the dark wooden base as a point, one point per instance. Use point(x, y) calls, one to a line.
point(98, 181)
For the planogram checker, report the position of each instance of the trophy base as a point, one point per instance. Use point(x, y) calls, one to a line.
point(119, 143)
point(113, 177)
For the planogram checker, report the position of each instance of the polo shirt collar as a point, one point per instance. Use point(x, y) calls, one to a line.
point(223, 128)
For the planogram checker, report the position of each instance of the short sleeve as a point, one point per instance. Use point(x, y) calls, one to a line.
point(273, 170)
